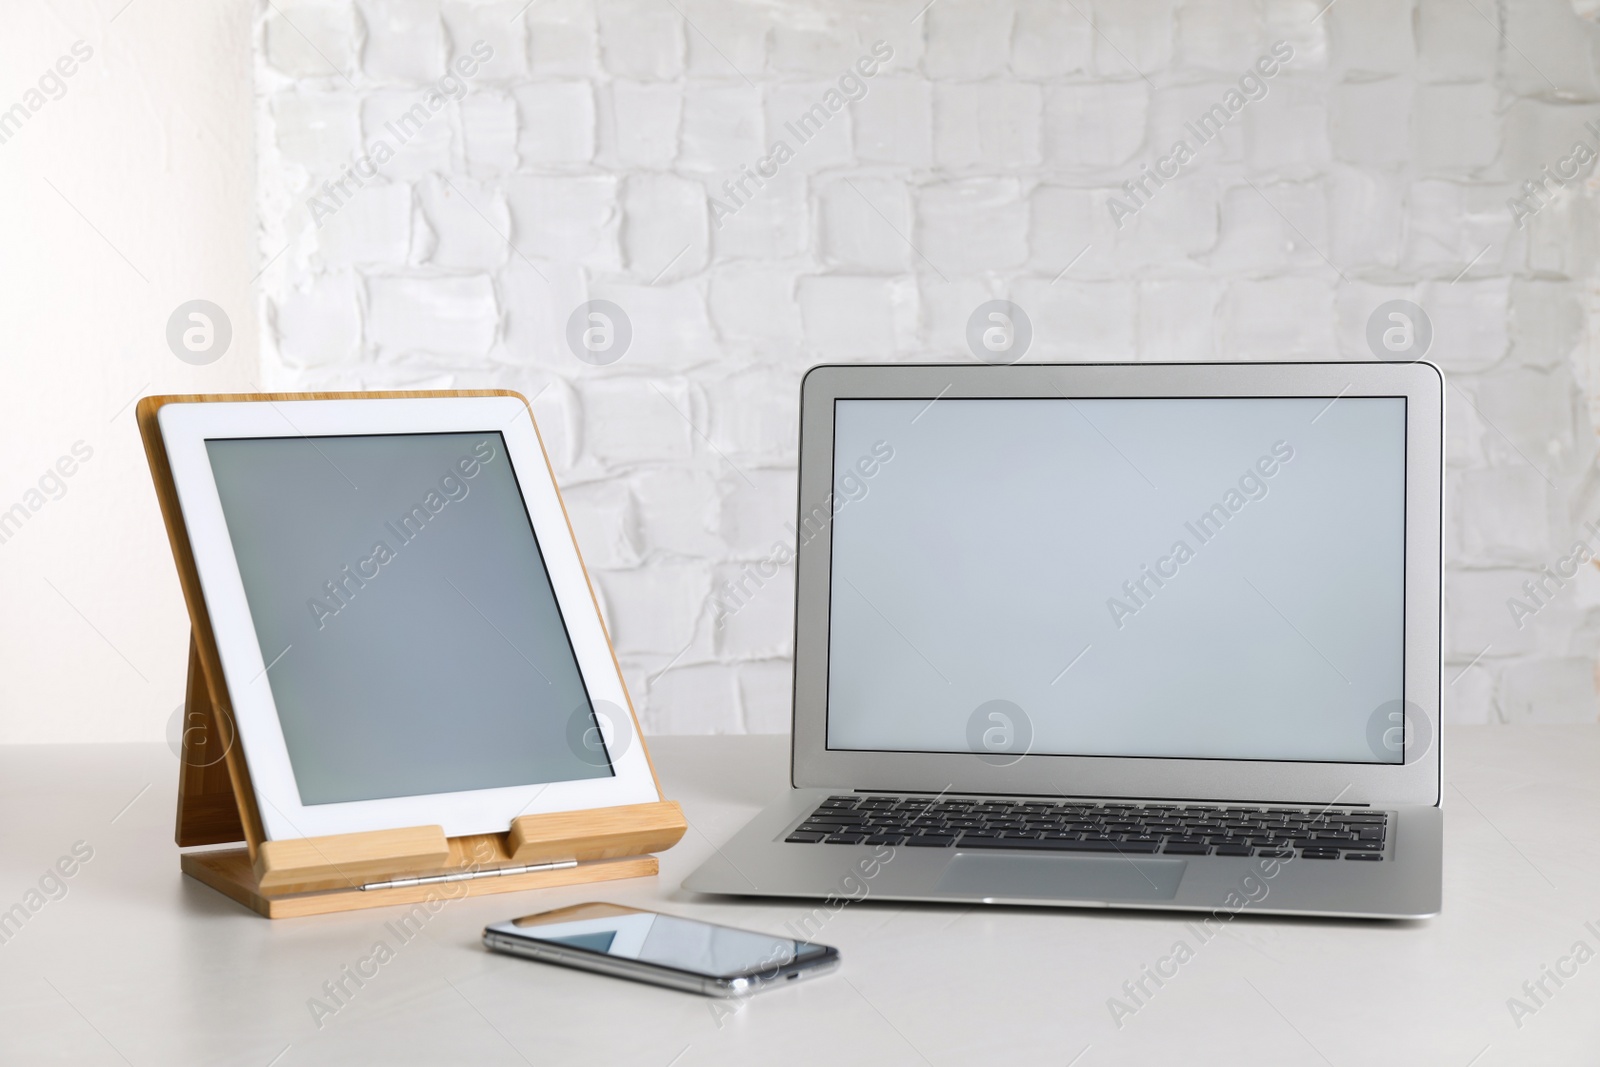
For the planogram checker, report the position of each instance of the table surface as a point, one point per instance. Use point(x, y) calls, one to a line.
point(128, 962)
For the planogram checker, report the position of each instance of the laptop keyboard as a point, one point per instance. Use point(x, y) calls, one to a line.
point(1085, 826)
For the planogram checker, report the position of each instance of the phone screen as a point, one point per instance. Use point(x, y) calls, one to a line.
point(663, 940)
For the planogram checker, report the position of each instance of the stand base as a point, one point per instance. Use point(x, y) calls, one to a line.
point(229, 872)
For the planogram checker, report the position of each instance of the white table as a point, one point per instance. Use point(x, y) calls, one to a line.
point(136, 964)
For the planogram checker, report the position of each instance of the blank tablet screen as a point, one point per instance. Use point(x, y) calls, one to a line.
point(412, 638)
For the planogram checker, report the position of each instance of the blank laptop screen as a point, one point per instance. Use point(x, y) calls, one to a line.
point(1211, 578)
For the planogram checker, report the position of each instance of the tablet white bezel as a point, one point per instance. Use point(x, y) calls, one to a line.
point(185, 429)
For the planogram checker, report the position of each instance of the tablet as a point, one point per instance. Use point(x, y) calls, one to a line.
point(404, 624)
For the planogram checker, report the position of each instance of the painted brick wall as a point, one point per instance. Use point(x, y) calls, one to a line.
point(586, 158)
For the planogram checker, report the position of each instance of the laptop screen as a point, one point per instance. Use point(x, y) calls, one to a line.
point(1203, 578)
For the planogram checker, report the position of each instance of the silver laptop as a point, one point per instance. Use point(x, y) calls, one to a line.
point(1138, 635)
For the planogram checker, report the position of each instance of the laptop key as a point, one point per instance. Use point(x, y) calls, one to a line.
point(885, 839)
point(845, 839)
point(805, 838)
point(1319, 853)
point(931, 840)
point(1179, 848)
point(1234, 850)
point(1373, 856)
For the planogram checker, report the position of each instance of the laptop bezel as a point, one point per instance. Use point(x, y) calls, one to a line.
point(1417, 781)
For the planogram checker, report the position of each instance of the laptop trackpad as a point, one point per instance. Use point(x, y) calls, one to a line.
point(1062, 877)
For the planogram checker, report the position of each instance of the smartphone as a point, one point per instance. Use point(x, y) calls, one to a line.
point(688, 954)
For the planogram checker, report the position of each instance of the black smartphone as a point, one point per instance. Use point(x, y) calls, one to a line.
point(700, 957)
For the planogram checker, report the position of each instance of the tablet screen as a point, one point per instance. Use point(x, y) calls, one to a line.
point(412, 638)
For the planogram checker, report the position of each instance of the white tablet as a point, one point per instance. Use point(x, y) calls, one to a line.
point(405, 626)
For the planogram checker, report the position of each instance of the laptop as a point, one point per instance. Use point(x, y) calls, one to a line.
point(1115, 635)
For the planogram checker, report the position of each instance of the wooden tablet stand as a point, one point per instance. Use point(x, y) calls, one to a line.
point(319, 875)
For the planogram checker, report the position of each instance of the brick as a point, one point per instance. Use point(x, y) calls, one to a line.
point(1561, 63)
point(605, 520)
point(1287, 130)
point(419, 136)
point(1454, 41)
point(865, 224)
point(651, 609)
point(538, 302)
point(1454, 128)
point(311, 39)
point(753, 517)
point(678, 511)
point(556, 415)
point(1505, 514)
point(469, 223)
point(976, 224)
point(813, 119)
point(318, 131)
point(1268, 224)
point(489, 132)
point(1354, 304)
point(641, 39)
point(404, 42)
point(636, 420)
point(893, 123)
point(1562, 239)
point(1092, 126)
point(563, 40)
point(1449, 223)
point(1371, 36)
point(1076, 321)
point(1549, 690)
point(318, 324)
point(1295, 22)
point(666, 235)
point(766, 696)
point(371, 227)
point(721, 128)
point(1278, 318)
point(774, 223)
point(754, 418)
point(557, 122)
point(694, 698)
point(1366, 218)
point(496, 26)
point(945, 307)
point(1135, 37)
point(986, 125)
point(1220, 35)
point(851, 317)
point(725, 40)
point(805, 49)
point(437, 316)
point(760, 622)
point(1178, 319)
point(1469, 322)
point(639, 124)
point(755, 303)
point(569, 219)
point(967, 38)
point(671, 330)
point(1180, 113)
point(1476, 618)
point(1062, 222)
point(1546, 322)
point(1368, 122)
point(1537, 134)
point(1180, 222)
point(1529, 415)
point(1051, 40)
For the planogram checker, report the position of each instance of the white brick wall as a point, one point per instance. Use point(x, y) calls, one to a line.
point(980, 161)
